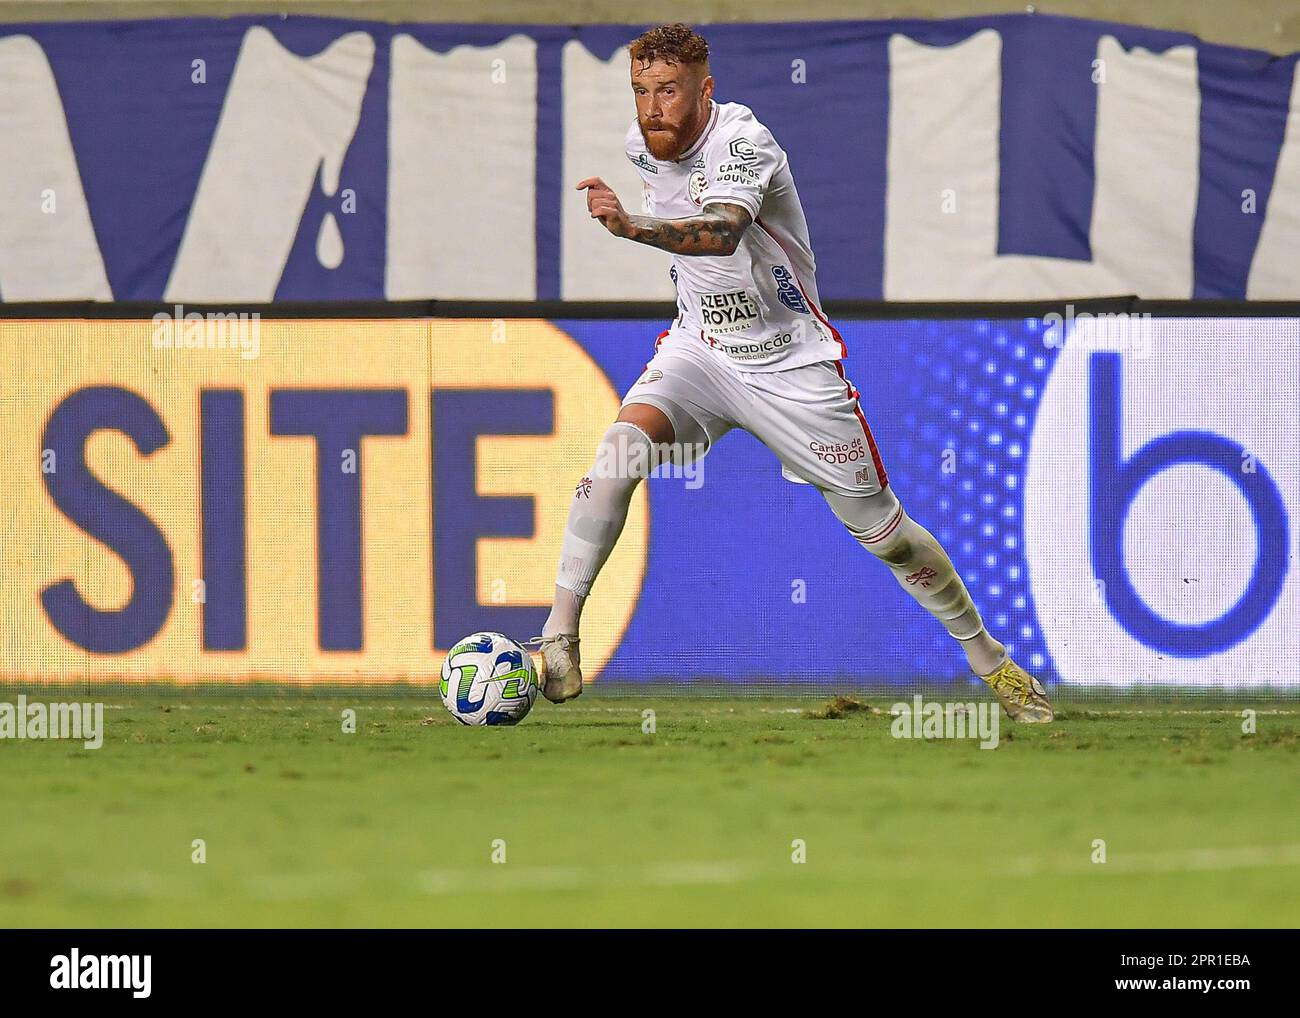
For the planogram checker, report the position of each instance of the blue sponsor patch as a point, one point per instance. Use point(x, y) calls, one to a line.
point(787, 291)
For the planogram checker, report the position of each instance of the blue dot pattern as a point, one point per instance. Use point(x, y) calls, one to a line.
point(960, 460)
point(951, 405)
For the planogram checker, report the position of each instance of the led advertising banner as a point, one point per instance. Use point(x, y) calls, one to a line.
point(340, 501)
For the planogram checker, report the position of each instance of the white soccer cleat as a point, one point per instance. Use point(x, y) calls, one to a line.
point(558, 666)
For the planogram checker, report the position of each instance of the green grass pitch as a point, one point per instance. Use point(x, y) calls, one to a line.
point(600, 824)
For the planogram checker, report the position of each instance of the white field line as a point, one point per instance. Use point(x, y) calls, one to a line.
point(635, 707)
point(144, 884)
point(323, 886)
point(127, 884)
point(329, 884)
point(177, 886)
point(575, 878)
point(1189, 860)
point(1229, 711)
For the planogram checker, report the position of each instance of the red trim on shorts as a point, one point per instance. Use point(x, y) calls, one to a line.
point(658, 342)
point(871, 441)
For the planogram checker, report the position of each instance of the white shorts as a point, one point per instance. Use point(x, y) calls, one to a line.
point(808, 416)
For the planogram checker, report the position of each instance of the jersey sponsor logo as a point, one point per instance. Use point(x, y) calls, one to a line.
point(838, 452)
point(642, 162)
point(696, 185)
point(733, 311)
point(653, 375)
point(787, 291)
point(741, 148)
point(752, 351)
point(737, 173)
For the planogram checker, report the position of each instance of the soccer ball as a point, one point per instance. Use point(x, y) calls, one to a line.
point(488, 679)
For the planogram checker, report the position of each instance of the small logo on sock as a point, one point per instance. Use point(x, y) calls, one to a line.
point(923, 576)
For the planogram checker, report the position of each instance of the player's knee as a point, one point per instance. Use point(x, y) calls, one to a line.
point(653, 422)
point(894, 541)
point(877, 522)
point(626, 455)
point(676, 437)
point(902, 543)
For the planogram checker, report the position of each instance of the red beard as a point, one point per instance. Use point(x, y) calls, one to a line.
point(665, 142)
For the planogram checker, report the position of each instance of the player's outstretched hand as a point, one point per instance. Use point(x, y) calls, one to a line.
point(603, 204)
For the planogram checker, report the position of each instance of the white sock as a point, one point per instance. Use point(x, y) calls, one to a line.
point(922, 568)
point(596, 519)
point(566, 613)
point(984, 653)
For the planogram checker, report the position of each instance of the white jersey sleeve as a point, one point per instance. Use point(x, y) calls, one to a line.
point(741, 158)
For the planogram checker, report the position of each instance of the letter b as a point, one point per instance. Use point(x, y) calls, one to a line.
point(1114, 484)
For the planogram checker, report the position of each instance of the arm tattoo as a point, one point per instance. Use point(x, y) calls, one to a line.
point(715, 231)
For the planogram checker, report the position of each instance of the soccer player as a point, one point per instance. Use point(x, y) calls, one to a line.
point(750, 348)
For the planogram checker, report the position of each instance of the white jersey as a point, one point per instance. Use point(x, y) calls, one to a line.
point(757, 308)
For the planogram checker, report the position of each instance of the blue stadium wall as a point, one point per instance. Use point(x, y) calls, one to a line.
point(278, 159)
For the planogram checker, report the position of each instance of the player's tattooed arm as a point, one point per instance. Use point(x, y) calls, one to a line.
point(715, 231)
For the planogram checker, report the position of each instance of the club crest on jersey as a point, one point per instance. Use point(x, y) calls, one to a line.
point(733, 311)
point(787, 291)
point(742, 149)
point(696, 186)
